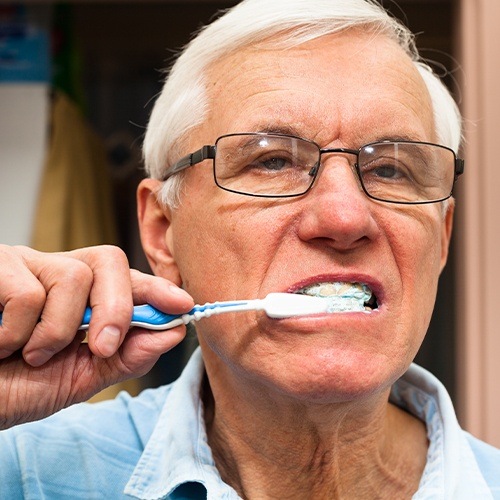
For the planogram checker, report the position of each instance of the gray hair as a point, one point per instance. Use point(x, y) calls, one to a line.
point(183, 103)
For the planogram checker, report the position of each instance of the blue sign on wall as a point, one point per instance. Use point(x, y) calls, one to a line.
point(24, 47)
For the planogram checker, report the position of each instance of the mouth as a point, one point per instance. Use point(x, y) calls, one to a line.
point(343, 296)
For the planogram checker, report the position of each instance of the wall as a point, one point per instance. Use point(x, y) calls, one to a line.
point(24, 77)
point(479, 234)
point(23, 134)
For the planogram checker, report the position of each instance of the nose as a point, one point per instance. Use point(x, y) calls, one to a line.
point(336, 209)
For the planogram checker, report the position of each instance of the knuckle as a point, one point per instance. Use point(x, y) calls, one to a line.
point(78, 273)
point(115, 254)
point(20, 249)
point(5, 249)
point(30, 297)
point(103, 257)
point(100, 254)
point(136, 275)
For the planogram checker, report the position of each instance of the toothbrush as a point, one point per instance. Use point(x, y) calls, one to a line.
point(275, 305)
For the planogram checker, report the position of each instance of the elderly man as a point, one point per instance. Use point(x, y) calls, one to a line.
point(301, 147)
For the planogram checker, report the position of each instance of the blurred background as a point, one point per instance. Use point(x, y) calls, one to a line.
point(77, 84)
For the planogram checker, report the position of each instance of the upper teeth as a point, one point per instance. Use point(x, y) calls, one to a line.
point(342, 296)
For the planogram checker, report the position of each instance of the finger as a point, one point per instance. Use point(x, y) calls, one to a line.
point(160, 293)
point(22, 297)
point(142, 348)
point(110, 298)
point(68, 283)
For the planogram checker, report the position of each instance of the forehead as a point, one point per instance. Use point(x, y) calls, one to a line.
point(350, 87)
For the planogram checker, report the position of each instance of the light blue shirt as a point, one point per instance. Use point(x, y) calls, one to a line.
point(155, 447)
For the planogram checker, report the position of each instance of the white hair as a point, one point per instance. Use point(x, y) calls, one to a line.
point(183, 103)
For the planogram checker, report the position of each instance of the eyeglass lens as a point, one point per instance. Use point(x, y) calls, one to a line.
point(275, 165)
point(406, 172)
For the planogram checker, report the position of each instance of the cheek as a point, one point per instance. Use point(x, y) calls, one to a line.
point(416, 247)
point(415, 234)
point(223, 248)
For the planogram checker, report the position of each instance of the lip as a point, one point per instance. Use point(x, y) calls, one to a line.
point(374, 284)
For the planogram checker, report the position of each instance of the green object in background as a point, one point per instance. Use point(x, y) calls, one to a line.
point(66, 60)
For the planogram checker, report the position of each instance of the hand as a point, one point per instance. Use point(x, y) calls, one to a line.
point(44, 366)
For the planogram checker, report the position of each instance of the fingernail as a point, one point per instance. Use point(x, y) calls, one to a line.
point(38, 357)
point(108, 340)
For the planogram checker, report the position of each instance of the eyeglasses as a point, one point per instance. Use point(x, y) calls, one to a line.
point(273, 165)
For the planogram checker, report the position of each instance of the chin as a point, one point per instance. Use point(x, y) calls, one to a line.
point(333, 377)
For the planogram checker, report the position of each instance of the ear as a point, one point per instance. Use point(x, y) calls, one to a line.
point(446, 231)
point(155, 229)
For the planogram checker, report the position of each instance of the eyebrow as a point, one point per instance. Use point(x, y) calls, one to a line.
point(279, 129)
point(400, 138)
point(290, 130)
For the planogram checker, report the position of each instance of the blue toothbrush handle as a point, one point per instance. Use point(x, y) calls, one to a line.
point(145, 316)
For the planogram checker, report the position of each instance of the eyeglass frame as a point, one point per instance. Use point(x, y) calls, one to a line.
point(208, 152)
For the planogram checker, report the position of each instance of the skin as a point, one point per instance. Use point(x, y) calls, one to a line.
point(44, 367)
point(318, 385)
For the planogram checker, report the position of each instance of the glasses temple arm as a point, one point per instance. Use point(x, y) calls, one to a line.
point(206, 152)
point(459, 167)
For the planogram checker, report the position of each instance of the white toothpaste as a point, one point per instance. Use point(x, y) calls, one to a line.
point(343, 297)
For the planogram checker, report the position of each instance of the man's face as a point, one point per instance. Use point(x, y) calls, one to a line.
point(340, 91)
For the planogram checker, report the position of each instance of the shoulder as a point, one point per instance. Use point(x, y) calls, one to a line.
point(126, 420)
point(83, 448)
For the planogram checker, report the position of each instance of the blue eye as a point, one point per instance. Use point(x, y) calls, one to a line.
point(387, 172)
point(275, 163)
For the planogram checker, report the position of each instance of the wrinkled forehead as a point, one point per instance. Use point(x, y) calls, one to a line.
point(348, 72)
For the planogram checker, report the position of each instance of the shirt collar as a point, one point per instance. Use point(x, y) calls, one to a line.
point(451, 470)
point(178, 452)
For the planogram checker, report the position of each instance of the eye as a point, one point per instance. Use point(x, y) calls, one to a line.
point(384, 170)
point(387, 172)
point(275, 163)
